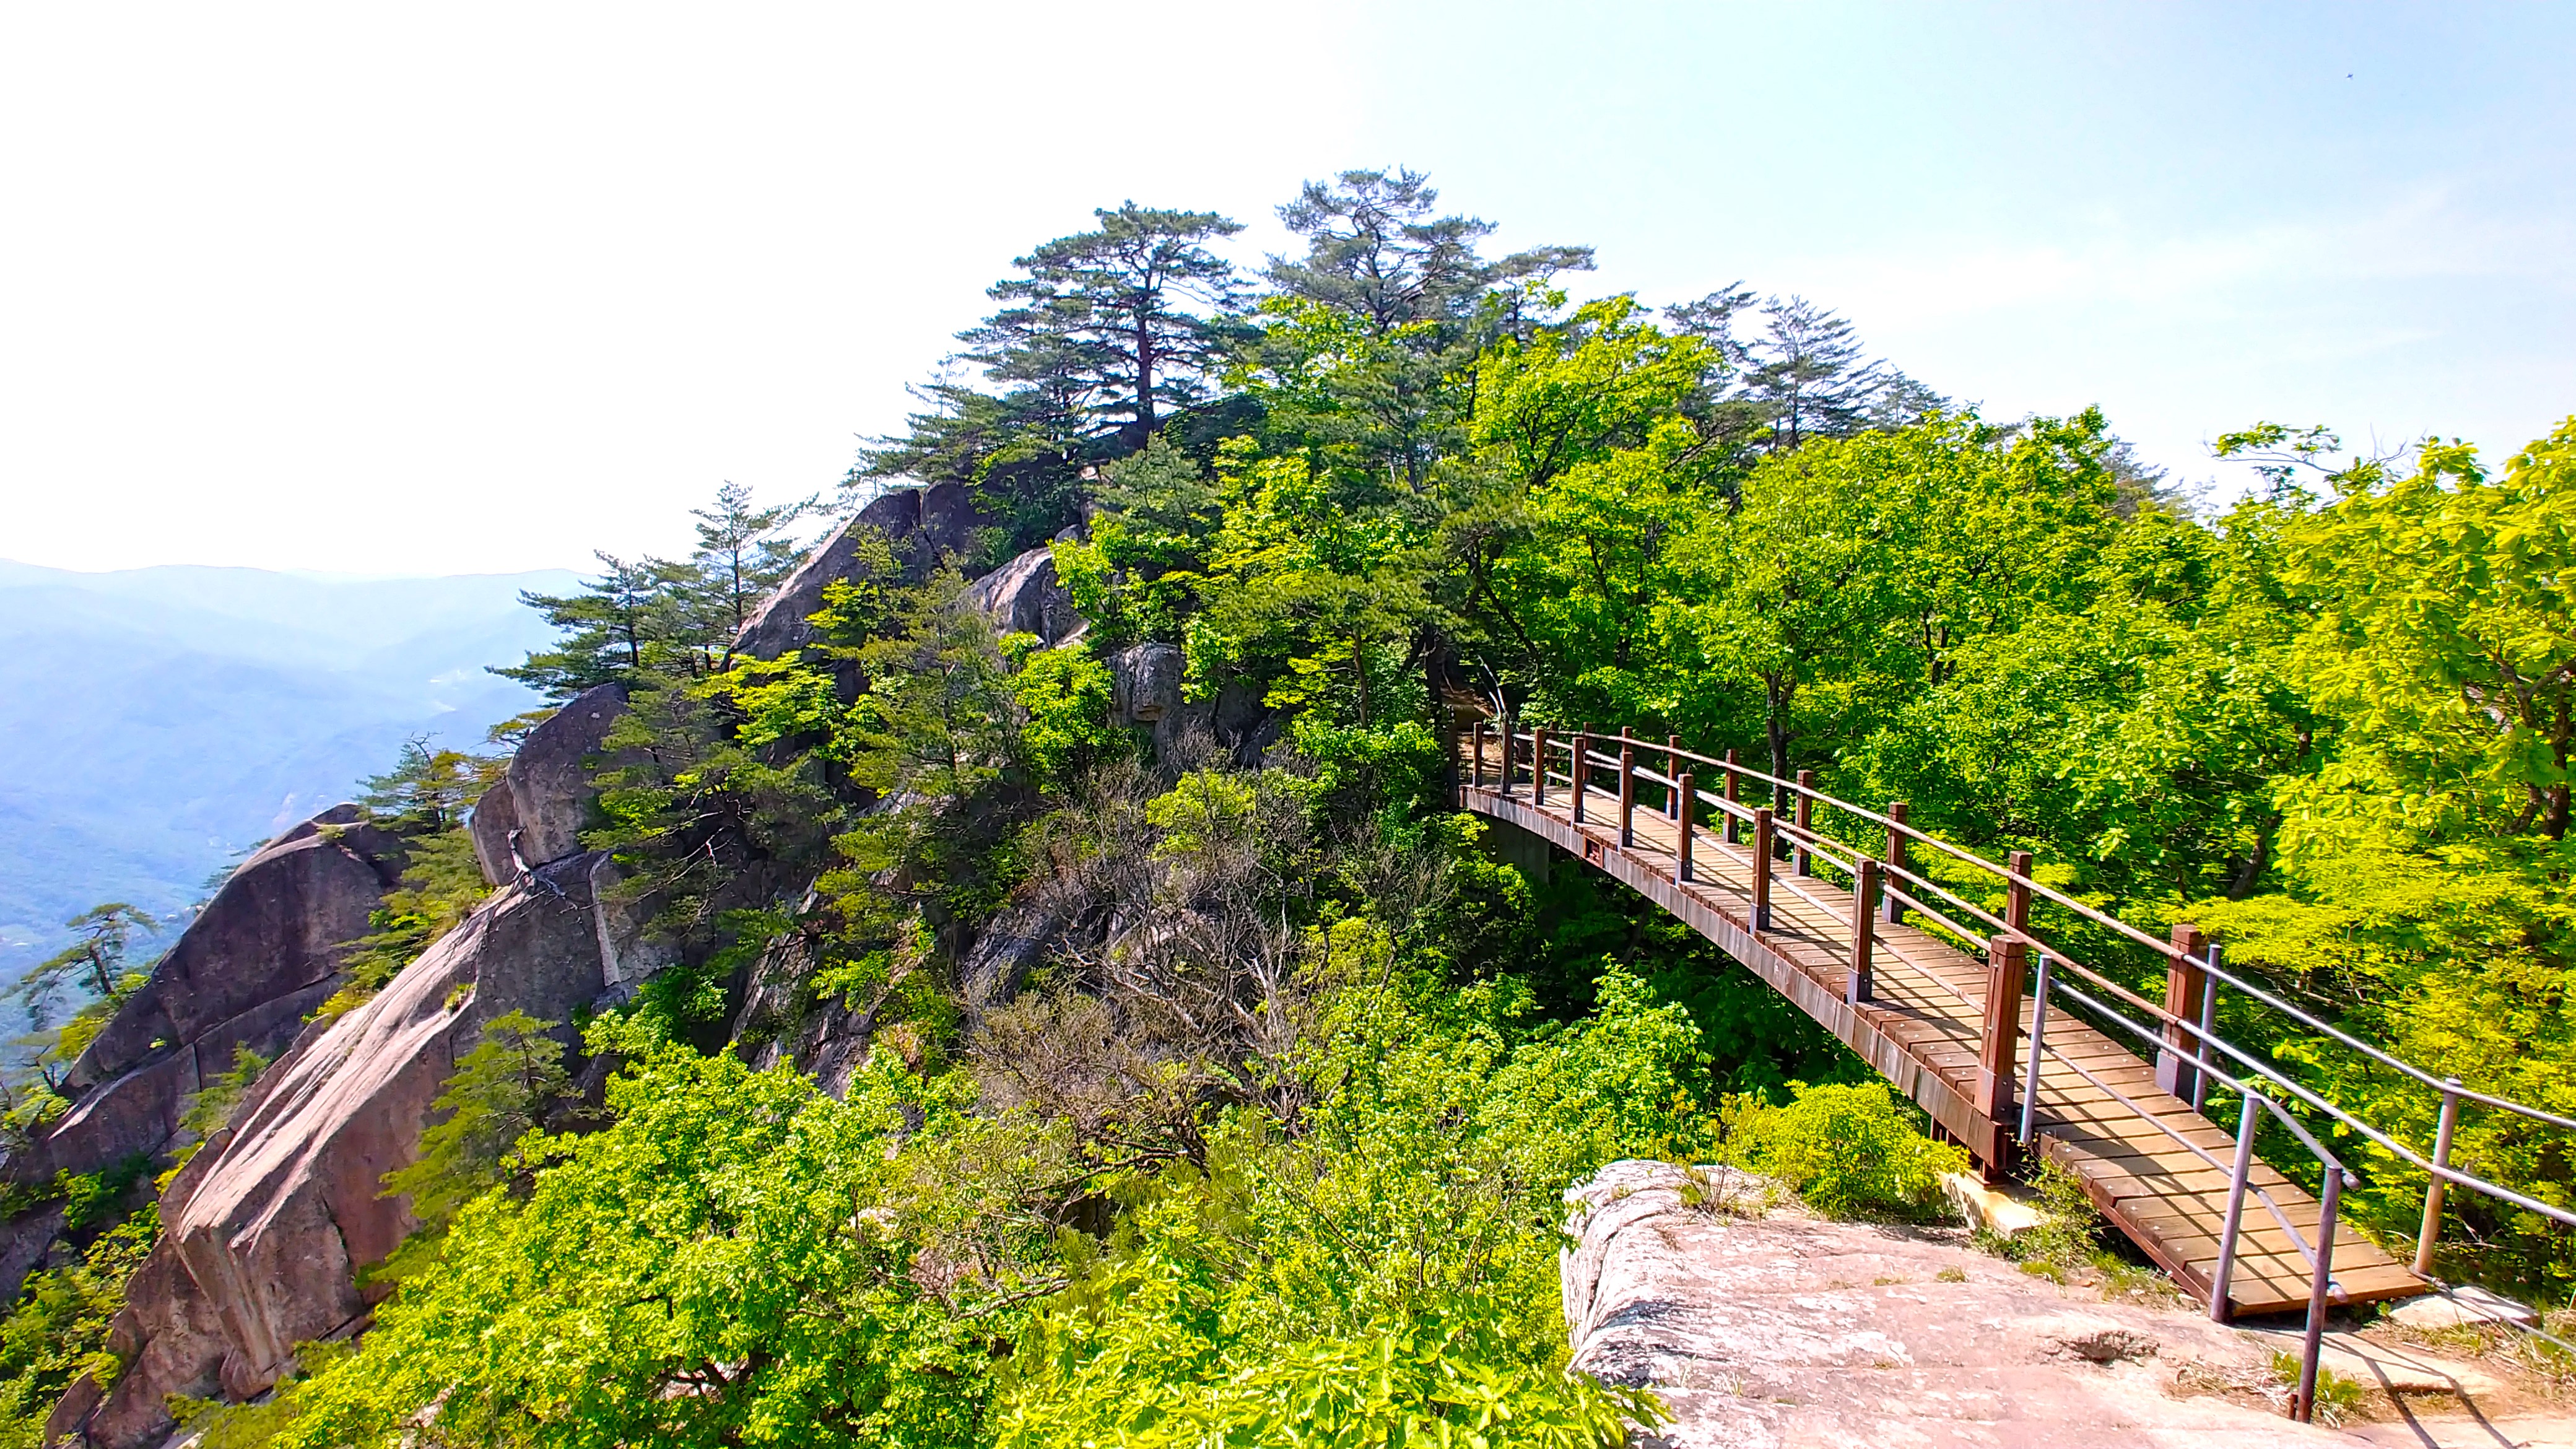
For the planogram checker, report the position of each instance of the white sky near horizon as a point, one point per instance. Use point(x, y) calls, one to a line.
point(476, 288)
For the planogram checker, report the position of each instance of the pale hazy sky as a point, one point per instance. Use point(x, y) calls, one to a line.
point(460, 288)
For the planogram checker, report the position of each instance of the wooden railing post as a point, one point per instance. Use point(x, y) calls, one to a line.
point(2017, 891)
point(1538, 766)
point(2185, 976)
point(2007, 958)
point(1673, 771)
point(1806, 819)
point(1682, 827)
point(1580, 768)
point(1895, 861)
point(1627, 789)
point(1763, 842)
point(1864, 931)
point(1734, 795)
point(1477, 775)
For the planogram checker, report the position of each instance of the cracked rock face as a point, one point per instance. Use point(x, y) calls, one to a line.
point(1024, 597)
point(1781, 1329)
point(265, 951)
point(536, 813)
point(923, 524)
point(265, 1230)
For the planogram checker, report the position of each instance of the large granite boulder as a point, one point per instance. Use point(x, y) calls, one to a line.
point(1759, 1324)
point(264, 952)
point(923, 525)
point(265, 1231)
point(1145, 689)
point(536, 813)
point(1145, 684)
point(1025, 597)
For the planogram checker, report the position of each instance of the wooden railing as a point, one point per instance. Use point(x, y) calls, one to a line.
point(1889, 868)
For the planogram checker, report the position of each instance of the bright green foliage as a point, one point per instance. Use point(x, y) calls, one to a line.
point(2424, 852)
point(738, 1259)
point(1387, 1275)
point(2445, 635)
point(426, 798)
point(58, 1329)
point(502, 1090)
point(1850, 1151)
point(1066, 694)
point(1331, 1076)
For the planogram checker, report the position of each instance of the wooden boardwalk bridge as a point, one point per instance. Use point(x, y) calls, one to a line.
point(1933, 991)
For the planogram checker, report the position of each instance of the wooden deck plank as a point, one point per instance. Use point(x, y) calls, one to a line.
point(1928, 1017)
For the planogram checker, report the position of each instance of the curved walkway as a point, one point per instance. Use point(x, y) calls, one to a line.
point(2154, 1165)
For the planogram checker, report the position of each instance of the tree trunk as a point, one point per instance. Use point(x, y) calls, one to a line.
point(1359, 676)
point(1144, 375)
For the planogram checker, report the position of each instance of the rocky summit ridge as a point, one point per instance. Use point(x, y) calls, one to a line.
point(267, 1230)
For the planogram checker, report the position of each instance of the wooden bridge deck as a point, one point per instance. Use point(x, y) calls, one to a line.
point(1922, 1032)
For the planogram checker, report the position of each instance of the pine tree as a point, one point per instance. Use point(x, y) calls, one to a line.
point(743, 552)
point(1808, 370)
point(93, 965)
point(1103, 324)
point(429, 791)
point(1379, 323)
point(1375, 250)
point(505, 1088)
point(611, 627)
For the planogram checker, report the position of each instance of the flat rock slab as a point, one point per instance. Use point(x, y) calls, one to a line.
point(1778, 1328)
point(2466, 1304)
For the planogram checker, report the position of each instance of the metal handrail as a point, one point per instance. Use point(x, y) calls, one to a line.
point(2090, 913)
point(2181, 1029)
point(2334, 1175)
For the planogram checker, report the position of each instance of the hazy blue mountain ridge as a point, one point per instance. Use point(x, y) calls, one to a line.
point(154, 723)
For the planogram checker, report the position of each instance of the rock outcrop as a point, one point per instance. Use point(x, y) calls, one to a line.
point(1145, 689)
point(264, 952)
point(1025, 597)
point(922, 524)
point(1774, 1328)
point(537, 811)
point(265, 1231)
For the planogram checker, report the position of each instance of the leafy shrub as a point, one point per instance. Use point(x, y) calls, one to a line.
point(2339, 1399)
point(58, 1330)
point(1067, 694)
point(1850, 1151)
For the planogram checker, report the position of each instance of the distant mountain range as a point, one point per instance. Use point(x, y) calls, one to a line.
point(155, 723)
